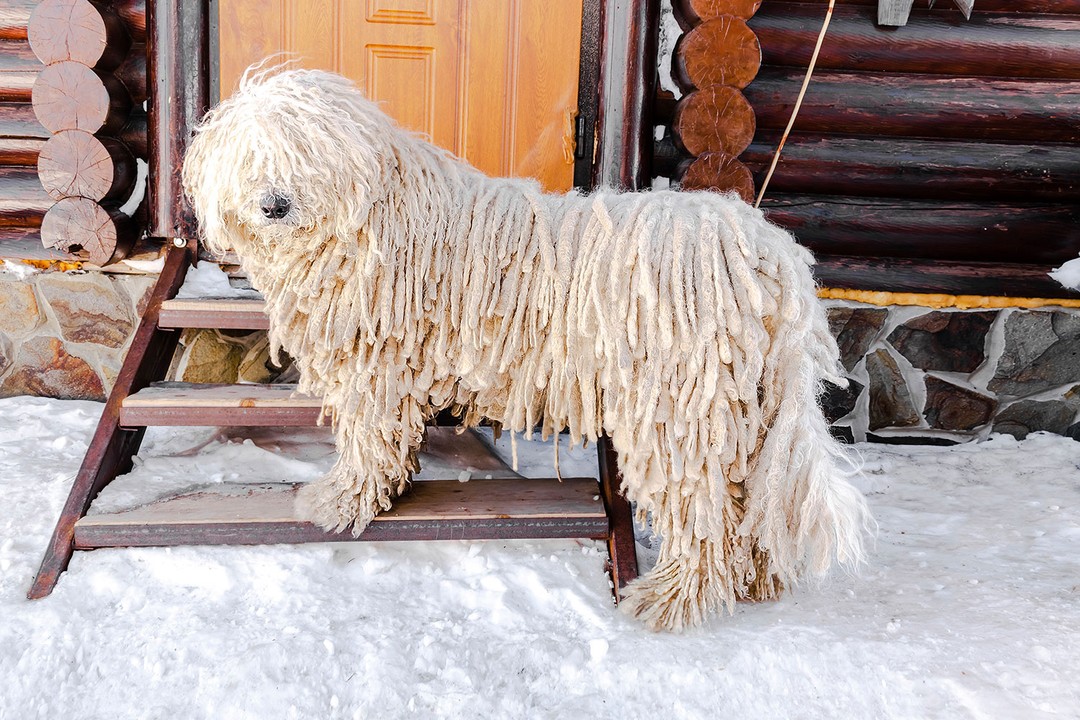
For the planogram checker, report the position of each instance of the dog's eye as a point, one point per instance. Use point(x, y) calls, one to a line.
point(275, 206)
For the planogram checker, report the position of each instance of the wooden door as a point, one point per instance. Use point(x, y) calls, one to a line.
point(493, 81)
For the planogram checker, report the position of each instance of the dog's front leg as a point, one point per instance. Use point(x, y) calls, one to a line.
point(376, 457)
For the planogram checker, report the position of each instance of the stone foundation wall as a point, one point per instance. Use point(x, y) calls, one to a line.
point(917, 375)
point(65, 334)
point(952, 375)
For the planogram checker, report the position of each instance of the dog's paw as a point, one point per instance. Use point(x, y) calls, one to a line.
point(325, 504)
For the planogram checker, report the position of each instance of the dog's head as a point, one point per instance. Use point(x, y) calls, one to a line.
point(294, 156)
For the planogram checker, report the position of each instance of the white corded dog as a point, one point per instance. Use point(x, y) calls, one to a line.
point(402, 282)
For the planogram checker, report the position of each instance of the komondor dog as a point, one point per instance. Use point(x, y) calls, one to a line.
point(403, 282)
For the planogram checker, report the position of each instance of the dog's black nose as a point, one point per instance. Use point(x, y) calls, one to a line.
point(275, 207)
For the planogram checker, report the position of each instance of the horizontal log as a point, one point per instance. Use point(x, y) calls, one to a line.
point(23, 202)
point(17, 122)
point(946, 9)
point(882, 227)
point(693, 12)
point(133, 13)
point(18, 70)
point(1014, 46)
point(668, 159)
point(101, 234)
point(71, 96)
point(132, 73)
point(1027, 111)
point(913, 168)
point(16, 56)
point(936, 276)
point(75, 163)
point(719, 172)
point(78, 30)
point(20, 151)
point(722, 51)
point(715, 119)
point(15, 17)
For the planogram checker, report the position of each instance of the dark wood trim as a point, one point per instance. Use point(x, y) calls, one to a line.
point(948, 231)
point(179, 88)
point(938, 276)
point(112, 448)
point(629, 36)
point(987, 45)
point(928, 106)
point(916, 168)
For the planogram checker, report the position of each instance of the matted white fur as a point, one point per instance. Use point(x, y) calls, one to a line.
point(403, 281)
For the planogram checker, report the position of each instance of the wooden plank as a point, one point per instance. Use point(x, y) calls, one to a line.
point(957, 231)
point(244, 514)
point(112, 447)
point(988, 45)
point(938, 276)
point(916, 168)
point(172, 404)
point(221, 313)
point(1026, 111)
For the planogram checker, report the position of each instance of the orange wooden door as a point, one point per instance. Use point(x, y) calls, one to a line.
point(493, 81)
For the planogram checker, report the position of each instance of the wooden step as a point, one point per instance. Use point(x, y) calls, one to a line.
point(257, 514)
point(221, 313)
point(175, 403)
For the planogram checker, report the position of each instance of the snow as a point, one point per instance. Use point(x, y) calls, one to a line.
point(669, 35)
point(19, 271)
point(208, 280)
point(1068, 274)
point(968, 607)
point(142, 172)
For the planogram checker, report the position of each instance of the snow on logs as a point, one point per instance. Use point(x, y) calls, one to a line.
point(89, 100)
point(717, 57)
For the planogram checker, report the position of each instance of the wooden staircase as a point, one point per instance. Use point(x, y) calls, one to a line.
point(239, 514)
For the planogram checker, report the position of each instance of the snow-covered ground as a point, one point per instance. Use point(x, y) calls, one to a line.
point(969, 607)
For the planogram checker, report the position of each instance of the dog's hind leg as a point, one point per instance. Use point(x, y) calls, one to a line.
point(704, 565)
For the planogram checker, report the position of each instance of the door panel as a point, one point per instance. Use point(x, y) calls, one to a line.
point(493, 81)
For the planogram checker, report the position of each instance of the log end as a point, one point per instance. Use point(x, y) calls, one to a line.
point(80, 225)
point(721, 51)
point(719, 172)
point(717, 118)
point(74, 163)
point(70, 96)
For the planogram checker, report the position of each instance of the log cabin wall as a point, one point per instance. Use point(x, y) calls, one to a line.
point(72, 126)
point(943, 156)
point(940, 158)
point(72, 139)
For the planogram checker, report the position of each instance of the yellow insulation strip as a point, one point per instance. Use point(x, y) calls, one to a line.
point(934, 300)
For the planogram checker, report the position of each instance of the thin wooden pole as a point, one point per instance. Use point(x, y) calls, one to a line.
point(798, 102)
